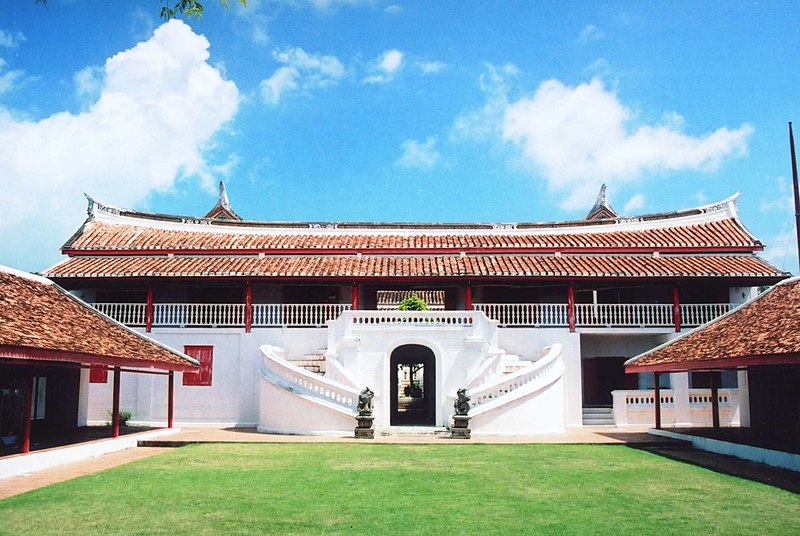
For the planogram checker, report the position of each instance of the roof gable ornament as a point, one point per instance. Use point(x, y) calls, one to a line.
point(601, 209)
point(223, 209)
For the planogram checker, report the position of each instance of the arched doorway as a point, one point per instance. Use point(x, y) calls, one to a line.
point(412, 386)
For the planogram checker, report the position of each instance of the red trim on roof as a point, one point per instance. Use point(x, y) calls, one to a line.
point(23, 353)
point(718, 364)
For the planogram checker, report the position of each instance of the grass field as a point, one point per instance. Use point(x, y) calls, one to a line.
point(404, 489)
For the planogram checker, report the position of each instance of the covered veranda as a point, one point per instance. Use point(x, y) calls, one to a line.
point(761, 337)
point(50, 344)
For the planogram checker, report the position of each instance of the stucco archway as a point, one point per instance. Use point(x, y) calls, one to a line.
point(412, 399)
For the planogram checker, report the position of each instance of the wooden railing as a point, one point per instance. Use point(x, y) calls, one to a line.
point(130, 314)
point(296, 314)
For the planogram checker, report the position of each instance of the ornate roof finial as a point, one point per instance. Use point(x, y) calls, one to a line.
point(601, 209)
point(223, 209)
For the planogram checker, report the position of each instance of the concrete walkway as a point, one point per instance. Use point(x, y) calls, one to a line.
point(596, 435)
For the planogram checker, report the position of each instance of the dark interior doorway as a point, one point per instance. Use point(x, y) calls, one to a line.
point(601, 375)
point(412, 386)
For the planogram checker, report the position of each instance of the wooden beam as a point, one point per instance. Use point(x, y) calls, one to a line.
point(714, 399)
point(26, 414)
point(676, 308)
point(148, 309)
point(657, 401)
point(468, 297)
point(354, 297)
point(571, 306)
point(248, 307)
point(170, 399)
point(115, 404)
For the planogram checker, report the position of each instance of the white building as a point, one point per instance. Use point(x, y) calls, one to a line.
point(290, 323)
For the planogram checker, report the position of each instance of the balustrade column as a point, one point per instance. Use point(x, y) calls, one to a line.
point(571, 306)
point(148, 310)
point(248, 307)
point(676, 308)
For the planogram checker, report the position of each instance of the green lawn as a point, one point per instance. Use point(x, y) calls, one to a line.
point(404, 489)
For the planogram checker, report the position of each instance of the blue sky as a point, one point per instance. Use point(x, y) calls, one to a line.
point(350, 110)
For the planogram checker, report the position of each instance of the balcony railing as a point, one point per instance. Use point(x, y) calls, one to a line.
point(317, 314)
point(601, 315)
point(223, 314)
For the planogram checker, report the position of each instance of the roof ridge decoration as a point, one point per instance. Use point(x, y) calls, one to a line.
point(223, 209)
point(601, 209)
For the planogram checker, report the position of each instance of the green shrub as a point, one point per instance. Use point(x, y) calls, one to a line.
point(413, 303)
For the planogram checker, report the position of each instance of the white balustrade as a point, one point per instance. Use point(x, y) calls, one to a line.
point(198, 314)
point(525, 314)
point(548, 368)
point(696, 314)
point(130, 314)
point(283, 373)
point(296, 314)
point(637, 407)
point(623, 314)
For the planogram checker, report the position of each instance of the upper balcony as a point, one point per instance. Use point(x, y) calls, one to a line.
point(508, 315)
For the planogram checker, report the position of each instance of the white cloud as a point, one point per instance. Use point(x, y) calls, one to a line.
point(10, 39)
point(10, 80)
point(431, 67)
point(579, 137)
point(590, 33)
point(159, 106)
point(385, 67)
point(486, 122)
point(635, 203)
point(393, 9)
point(88, 84)
point(782, 197)
point(419, 155)
point(781, 250)
point(300, 71)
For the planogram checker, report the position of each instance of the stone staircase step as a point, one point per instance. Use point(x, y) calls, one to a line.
point(598, 416)
point(412, 431)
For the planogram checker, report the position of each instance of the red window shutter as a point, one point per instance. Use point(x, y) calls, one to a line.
point(98, 374)
point(205, 355)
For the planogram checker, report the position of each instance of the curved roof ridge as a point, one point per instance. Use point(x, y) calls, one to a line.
point(725, 209)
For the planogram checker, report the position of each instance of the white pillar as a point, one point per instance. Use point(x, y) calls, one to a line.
point(744, 398)
point(680, 390)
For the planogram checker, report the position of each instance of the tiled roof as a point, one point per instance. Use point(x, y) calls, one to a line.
point(40, 320)
point(110, 230)
point(394, 266)
point(97, 235)
point(763, 331)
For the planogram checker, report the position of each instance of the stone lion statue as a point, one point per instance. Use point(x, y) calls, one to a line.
point(461, 404)
point(365, 402)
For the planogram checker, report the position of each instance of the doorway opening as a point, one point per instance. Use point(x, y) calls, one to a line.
point(412, 386)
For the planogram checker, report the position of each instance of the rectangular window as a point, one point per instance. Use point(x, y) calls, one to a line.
point(98, 374)
point(205, 355)
point(39, 397)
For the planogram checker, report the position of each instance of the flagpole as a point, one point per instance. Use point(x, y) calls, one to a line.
point(796, 191)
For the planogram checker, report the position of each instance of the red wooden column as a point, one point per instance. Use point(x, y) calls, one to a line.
point(354, 297)
point(714, 399)
point(657, 401)
point(571, 306)
point(676, 308)
point(170, 398)
point(468, 297)
point(248, 311)
point(115, 405)
point(148, 310)
point(26, 416)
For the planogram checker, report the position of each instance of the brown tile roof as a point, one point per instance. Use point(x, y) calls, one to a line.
point(40, 320)
point(394, 266)
point(103, 236)
point(763, 331)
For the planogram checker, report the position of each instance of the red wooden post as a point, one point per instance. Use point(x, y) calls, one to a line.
point(571, 306)
point(115, 405)
point(657, 394)
point(354, 301)
point(26, 415)
point(676, 308)
point(468, 297)
point(148, 310)
point(248, 309)
point(171, 399)
point(714, 400)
